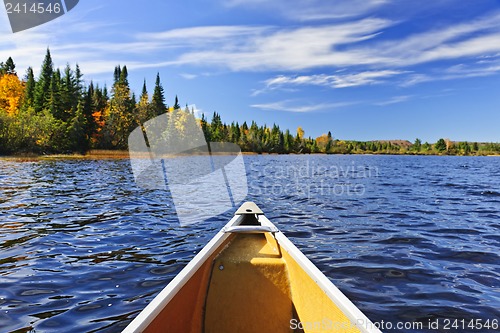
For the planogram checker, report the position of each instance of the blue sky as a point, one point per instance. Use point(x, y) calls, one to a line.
point(362, 69)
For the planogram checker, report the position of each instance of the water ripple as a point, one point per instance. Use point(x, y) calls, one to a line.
point(407, 238)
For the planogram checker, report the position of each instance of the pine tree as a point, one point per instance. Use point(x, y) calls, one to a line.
point(10, 67)
point(29, 92)
point(440, 145)
point(417, 146)
point(88, 110)
point(78, 125)
point(143, 107)
point(176, 104)
point(42, 88)
point(116, 74)
point(158, 100)
point(329, 143)
point(79, 81)
point(55, 105)
point(124, 76)
point(216, 128)
point(120, 119)
point(205, 127)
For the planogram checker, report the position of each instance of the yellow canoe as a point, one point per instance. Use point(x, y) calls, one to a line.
point(250, 278)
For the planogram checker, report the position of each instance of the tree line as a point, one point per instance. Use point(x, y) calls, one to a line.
point(58, 113)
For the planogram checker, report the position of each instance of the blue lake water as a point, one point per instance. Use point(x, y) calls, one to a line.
point(406, 238)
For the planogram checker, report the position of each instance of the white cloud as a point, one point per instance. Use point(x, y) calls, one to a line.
point(394, 100)
point(202, 33)
point(312, 10)
point(291, 48)
point(295, 106)
point(474, 38)
point(460, 71)
point(358, 46)
point(188, 76)
point(333, 81)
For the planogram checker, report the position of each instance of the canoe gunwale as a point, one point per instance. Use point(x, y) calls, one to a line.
point(341, 301)
point(146, 316)
point(149, 313)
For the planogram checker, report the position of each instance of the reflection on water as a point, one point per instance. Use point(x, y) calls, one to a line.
point(406, 238)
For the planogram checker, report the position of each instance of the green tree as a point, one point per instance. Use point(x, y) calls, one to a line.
point(120, 119)
point(71, 93)
point(55, 105)
point(143, 107)
point(29, 92)
point(440, 145)
point(176, 104)
point(88, 108)
point(8, 67)
point(77, 131)
point(216, 128)
point(158, 100)
point(417, 145)
point(42, 87)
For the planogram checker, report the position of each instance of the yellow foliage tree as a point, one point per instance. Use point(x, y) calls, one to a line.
point(300, 133)
point(11, 93)
point(322, 142)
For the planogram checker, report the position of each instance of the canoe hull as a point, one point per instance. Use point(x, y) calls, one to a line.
point(250, 282)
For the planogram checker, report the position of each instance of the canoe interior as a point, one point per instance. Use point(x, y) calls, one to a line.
point(250, 284)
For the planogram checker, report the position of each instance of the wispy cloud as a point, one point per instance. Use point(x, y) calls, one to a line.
point(311, 10)
point(333, 81)
point(295, 106)
point(460, 71)
point(474, 38)
point(358, 45)
point(339, 45)
point(188, 76)
point(394, 100)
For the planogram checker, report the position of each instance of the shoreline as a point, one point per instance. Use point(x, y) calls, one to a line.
point(101, 154)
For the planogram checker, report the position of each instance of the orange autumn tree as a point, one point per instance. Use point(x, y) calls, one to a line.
point(11, 93)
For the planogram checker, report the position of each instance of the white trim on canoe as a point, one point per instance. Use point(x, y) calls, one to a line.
point(146, 316)
point(355, 315)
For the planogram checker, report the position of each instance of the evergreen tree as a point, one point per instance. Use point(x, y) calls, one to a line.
point(417, 145)
point(124, 76)
point(42, 87)
point(120, 120)
point(117, 74)
point(88, 109)
point(158, 100)
point(205, 127)
point(176, 104)
point(55, 105)
point(77, 128)
point(288, 142)
point(216, 128)
point(79, 81)
point(143, 107)
point(440, 145)
point(10, 67)
point(29, 92)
